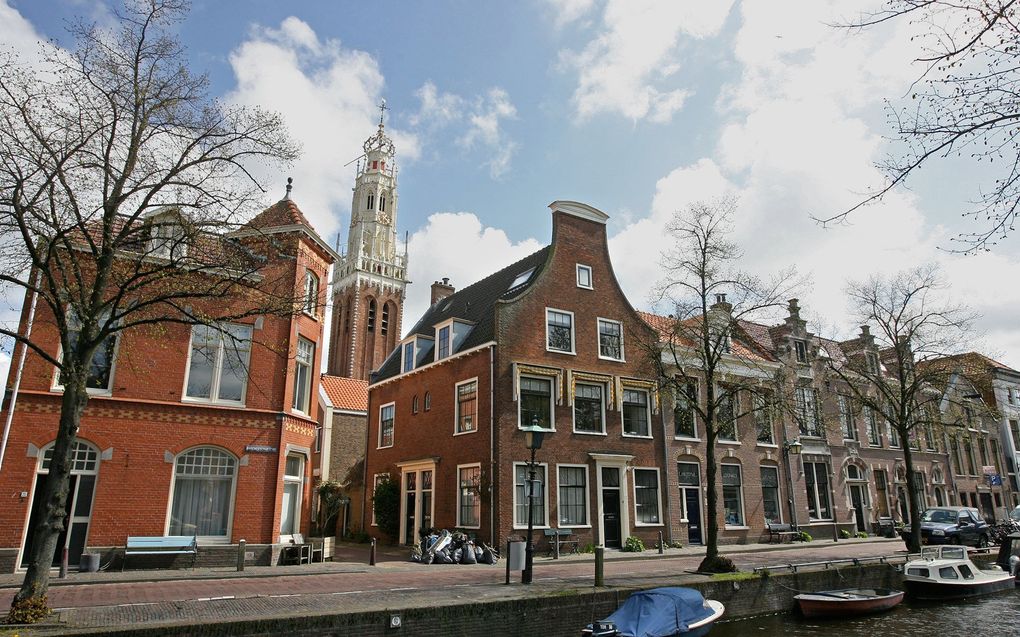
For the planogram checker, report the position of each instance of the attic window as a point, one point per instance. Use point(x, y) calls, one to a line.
point(522, 278)
point(167, 237)
point(800, 348)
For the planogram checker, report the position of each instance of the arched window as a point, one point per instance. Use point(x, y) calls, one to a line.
point(385, 318)
point(203, 494)
point(371, 200)
point(414, 404)
point(428, 401)
point(853, 472)
point(371, 315)
point(311, 296)
point(382, 203)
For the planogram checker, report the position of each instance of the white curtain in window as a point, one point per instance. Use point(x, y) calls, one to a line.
point(202, 493)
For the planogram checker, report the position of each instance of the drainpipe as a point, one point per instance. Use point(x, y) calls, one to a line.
point(492, 444)
point(666, 467)
point(17, 373)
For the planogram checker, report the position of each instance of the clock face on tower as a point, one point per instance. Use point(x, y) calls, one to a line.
point(383, 218)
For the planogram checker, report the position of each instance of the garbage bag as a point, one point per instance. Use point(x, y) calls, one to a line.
point(456, 555)
point(487, 556)
point(468, 556)
point(443, 557)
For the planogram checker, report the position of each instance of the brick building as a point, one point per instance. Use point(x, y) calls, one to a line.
point(344, 416)
point(187, 431)
point(550, 340)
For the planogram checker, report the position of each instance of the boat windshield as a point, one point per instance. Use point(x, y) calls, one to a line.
point(939, 515)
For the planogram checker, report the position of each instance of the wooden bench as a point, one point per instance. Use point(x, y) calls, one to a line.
point(558, 539)
point(780, 531)
point(164, 545)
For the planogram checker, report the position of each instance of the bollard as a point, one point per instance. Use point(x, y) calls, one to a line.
point(600, 557)
point(507, 560)
point(371, 554)
point(660, 543)
point(240, 554)
point(63, 564)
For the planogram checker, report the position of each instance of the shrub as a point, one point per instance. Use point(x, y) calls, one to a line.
point(386, 504)
point(843, 533)
point(805, 536)
point(862, 534)
point(676, 545)
point(587, 548)
point(717, 564)
point(633, 545)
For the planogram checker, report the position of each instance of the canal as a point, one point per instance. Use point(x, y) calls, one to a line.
point(995, 615)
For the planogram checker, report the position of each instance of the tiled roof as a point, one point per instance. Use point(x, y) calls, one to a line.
point(282, 213)
point(752, 348)
point(349, 394)
point(474, 304)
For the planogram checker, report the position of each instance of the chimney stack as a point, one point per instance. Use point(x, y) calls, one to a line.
point(441, 290)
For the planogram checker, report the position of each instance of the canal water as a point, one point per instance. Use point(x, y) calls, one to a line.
point(992, 616)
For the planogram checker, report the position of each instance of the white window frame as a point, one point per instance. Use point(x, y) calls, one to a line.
point(743, 500)
point(56, 386)
point(598, 330)
point(310, 301)
point(693, 410)
point(540, 468)
point(300, 481)
point(478, 496)
point(797, 351)
point(587, 497)
point(456, 407)
point(448, 326)
point(591, 280)
point(204, 539)
point(552, 401)
point(413, 342)
point(658, 494)
point(814, 483)
point(573, 332)
point(165, 242)
point(305, 406)
point(602, 408)
point(648, 413)
point(779, 489)
point(393, 433)
point(214, 390)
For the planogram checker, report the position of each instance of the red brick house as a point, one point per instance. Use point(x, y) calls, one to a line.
point(186, 432)
point(550, 340)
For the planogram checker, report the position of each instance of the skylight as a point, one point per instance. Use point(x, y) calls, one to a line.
point(521, 279)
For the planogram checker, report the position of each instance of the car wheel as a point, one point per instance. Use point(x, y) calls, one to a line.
point(982, 541)
point(954, 540)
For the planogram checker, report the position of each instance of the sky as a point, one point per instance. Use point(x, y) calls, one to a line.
point(636, 107)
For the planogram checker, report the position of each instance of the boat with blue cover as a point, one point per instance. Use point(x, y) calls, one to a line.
point(660, 612)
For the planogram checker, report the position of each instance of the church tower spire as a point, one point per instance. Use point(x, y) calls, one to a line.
point(369, 282)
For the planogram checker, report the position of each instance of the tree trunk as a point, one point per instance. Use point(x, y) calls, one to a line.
point(712, 501)
point(914, 544)
point(55, 490)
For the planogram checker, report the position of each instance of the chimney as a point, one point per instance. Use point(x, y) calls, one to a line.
point(441, 290)
point(721, 304)
point(865, 331)
point(794, 307)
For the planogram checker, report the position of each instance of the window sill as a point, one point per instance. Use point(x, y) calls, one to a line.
point(212, 403)
point(735, 443)
point(736, 527)
point(770, 445)
point(464, 433)
point(686, 439)
point(612, 360)
point(590, 433)
point(560, 351)
point(464, 526)
point(649, 524)
point(551, 430)
point(575, 526)
point(314, 317)
point(638, 436)
point(386, 447)
point(524, 527)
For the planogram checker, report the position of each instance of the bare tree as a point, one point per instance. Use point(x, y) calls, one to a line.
point(123, 188)
point(965, 103)
point(914, 328)
point(709, 299)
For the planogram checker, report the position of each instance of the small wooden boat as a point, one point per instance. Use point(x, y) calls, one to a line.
point(848, 602)
point(945, 572)
point(659, 612)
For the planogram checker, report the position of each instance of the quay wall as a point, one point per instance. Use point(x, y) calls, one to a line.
point(539, 613)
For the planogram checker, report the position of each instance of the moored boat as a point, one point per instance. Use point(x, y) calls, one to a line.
point(847, 602)
point(945, 572)
point(659, 612)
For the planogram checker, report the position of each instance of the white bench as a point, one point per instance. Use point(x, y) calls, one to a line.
point(161, 545)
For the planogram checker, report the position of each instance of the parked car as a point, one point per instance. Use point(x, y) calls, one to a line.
point(1015, 514)
point(951, 525)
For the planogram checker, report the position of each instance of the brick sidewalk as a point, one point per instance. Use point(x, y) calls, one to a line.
point(104, 602)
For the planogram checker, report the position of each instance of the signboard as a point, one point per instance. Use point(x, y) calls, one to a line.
point(260, 449)
point(988, 470)
point(995, 480)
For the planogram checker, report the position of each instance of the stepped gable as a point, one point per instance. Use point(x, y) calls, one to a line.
point(348, 394)
point(475, 304)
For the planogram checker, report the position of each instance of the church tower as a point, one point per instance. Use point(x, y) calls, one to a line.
point(369, 280)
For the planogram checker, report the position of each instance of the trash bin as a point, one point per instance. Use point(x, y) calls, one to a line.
point(89, 563)
point(515, 561)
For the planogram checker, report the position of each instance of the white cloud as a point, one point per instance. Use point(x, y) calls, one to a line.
point(568, 11)
point(328, 95)
point(630, 66)
point(458, 246)
point(481, 117)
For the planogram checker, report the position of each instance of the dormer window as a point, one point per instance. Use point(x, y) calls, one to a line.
point(311, 293)
point(412, 352)
point(800, 349)
point(407, 364)
point(450, 335)
point(443, 340)
point(167, 237)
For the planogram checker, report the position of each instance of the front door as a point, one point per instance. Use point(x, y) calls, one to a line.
point(611, 507)
point(80, 494)
point(417, 504)
point(692, 504)
point(857, 501)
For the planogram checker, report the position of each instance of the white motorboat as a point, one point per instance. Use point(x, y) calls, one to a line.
point(946, 572)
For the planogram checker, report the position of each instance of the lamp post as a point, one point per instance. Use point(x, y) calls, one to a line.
point(793, 447)
point(533, 438)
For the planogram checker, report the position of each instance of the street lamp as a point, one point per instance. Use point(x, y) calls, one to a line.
point(793, 447)
point(533, 439)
